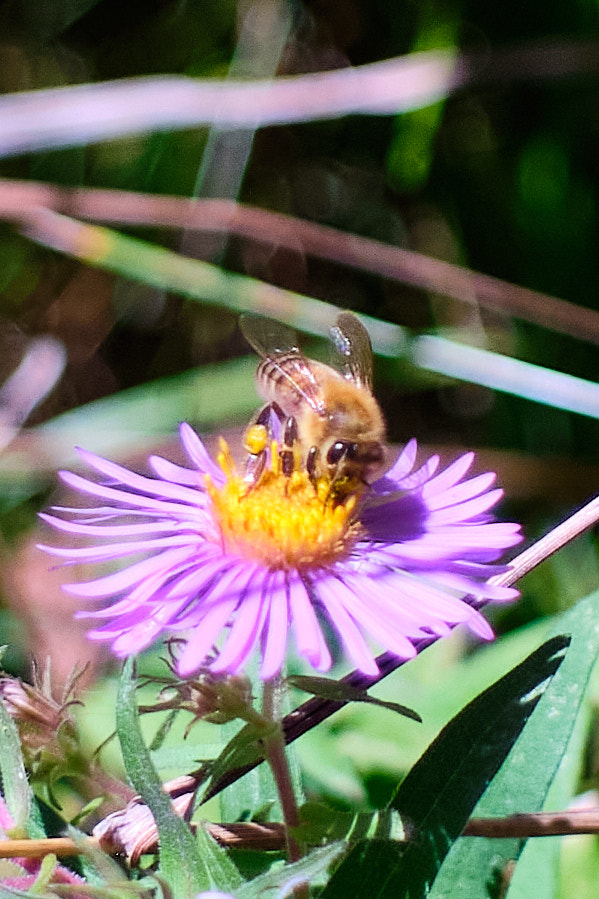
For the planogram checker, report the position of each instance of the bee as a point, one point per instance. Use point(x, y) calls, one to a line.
point(327, 414)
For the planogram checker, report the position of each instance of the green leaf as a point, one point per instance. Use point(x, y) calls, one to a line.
point(17, 792)
point(438, 795)
point(242, 749)
point(320, 823)
point(525, 779)
point(184, 758)
point(283, 879)
point(338, 690)
point(256, 790)
point(188, 864)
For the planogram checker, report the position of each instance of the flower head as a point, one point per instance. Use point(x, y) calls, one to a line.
point(232, 568)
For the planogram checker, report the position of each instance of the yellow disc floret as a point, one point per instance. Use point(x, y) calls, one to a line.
point(283, 521)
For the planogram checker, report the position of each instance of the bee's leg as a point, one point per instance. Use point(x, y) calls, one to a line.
point(254, 467)
point(287, 454)
point(255, 441)
point(337, 454)
point(311, 461)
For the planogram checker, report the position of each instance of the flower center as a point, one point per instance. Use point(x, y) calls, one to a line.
point(283, 521)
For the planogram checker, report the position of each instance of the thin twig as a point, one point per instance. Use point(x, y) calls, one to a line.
point(17, 198)
point(84, 113)
point(539, 824)
point(270, 837)
point(266, 837)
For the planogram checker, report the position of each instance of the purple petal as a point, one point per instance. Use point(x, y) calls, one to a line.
point(113, 584)
point(332, 592)
point(309, 638)
point(132, 499)
point(401, 612)
point(245, 630)
point(176, 473)
point(368, 617)
point(234, 583)
point(461, 512)
point(403, 464)
point(447, 478)
point(111, 530)
point(144, 592)
point(210, 566)
point(117, 550)
point(480, 626)
point(420, 477)
point(137, 481)
point(277, 626)
point(203, 637)
point(198, 454)
point(461, 492)
point(466, 586)
point(431, 601)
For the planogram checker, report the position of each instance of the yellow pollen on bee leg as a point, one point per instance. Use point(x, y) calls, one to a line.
point(283, 522)
point(255, 439)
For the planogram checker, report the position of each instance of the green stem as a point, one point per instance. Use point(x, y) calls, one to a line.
point(274, 747)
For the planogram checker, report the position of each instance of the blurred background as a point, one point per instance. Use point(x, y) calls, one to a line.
point(499, 177)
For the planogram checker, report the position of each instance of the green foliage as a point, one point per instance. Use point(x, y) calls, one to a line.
point(337, 690)
point(498, 174)
point(14, 776)
point(440, 792)
point(188, 864)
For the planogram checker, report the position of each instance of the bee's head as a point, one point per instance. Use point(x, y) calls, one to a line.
point(359, 460)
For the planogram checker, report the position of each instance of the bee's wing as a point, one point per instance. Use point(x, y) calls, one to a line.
point(277, 343)
point(352, 350)
point(267, 336)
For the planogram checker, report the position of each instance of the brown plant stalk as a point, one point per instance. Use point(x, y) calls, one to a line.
point(20, 199)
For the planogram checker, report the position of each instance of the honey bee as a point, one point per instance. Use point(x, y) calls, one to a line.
point(328, 414)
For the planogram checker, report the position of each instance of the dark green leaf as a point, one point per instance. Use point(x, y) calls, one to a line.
point(321, 823)
point(438, 795)
point(188, 864)
point(524, 780)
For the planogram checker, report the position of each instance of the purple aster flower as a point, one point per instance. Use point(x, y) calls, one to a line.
point(232, 569)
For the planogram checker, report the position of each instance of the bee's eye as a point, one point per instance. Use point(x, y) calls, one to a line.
point(337, 451)
point(352, 451)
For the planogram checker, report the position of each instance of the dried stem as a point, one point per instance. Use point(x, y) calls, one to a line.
point(539, 824)
point(83, 113)
point(272, 837)
point(19, 198)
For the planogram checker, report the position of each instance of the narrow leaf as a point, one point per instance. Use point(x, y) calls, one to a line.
point(525, 779)
point(284, 879)
point(438, 795)
point(340, 691)
point(17, 792)
point(188, 864)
